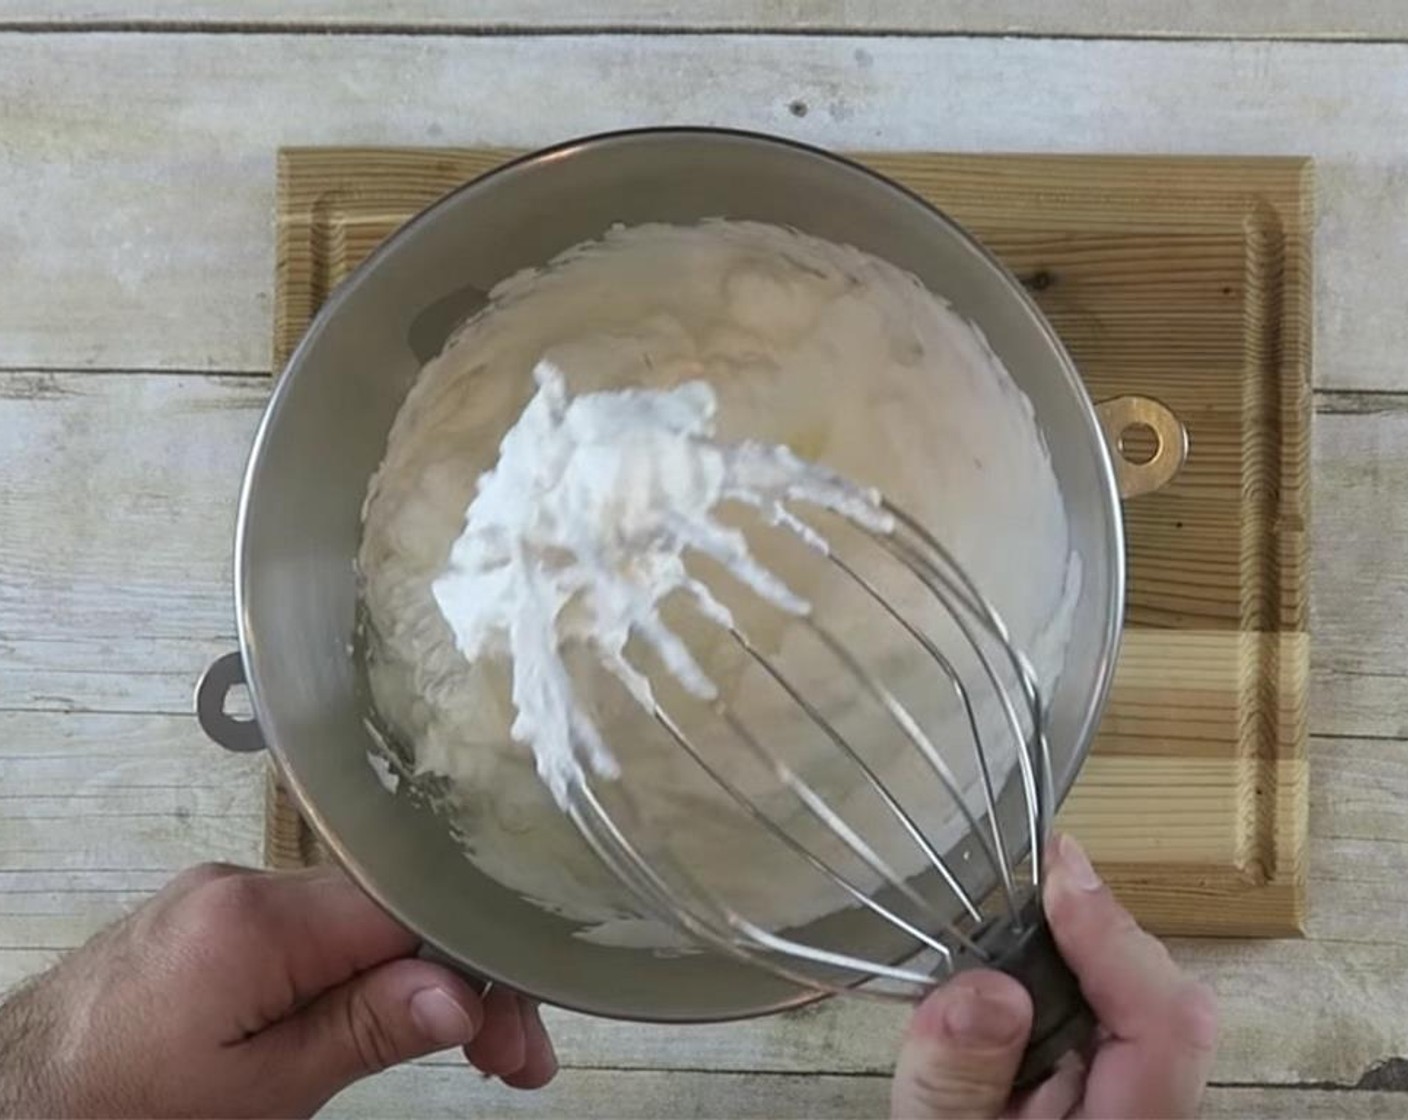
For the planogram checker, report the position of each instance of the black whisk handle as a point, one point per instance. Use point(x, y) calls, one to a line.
point(1062, 1021)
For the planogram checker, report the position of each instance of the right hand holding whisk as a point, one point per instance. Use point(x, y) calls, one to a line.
point(1154, 1049)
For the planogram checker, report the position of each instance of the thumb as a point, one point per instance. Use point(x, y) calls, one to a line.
point(962, 1049)
point(390, 1014)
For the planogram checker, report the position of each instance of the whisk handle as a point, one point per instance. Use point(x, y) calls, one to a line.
point(1062, 1020)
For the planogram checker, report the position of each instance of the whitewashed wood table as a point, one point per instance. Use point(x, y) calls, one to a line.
point(137, 143)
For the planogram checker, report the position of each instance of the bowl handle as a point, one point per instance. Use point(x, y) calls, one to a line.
point(214, 685)
point(1118, 416)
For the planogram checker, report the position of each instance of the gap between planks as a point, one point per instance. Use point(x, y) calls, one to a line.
point(1257, 20)
point(258, 29)
point(1328, 401)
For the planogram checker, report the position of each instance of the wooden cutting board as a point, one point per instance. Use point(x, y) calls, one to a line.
point(1183, 279)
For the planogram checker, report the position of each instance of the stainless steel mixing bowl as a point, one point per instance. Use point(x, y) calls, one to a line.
point(324, 433)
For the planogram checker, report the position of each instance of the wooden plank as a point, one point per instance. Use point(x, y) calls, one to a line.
point(18, 964)
point(82, 624)
point(1326, 1032)
point(118, 512)
point(1195, 802)
point(1338, 1013)
point(53, 767)
point(143, 840)
point(90, 466)
point(93, 802)
point(1339, 996)
point(1238, 1103)
point(613, 1094)
point(1346, 19)
point(47, 922)
point(110, 671)
point(1361, 595)
point(91, 621)
point(177, 282)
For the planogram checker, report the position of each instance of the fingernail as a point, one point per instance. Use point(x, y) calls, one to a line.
point(440, 1018)
point(977, 1020)
point(1077, 866)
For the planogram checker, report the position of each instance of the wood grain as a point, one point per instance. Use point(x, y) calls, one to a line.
point(1194, 800)
point(171, 138)
point(1345, 19)
point(614, 1095)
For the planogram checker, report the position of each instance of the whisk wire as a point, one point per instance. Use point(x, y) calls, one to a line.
point(673, 894)
point(828, 816)
point(997, 858)
point(623, 859)
point(952, 578)
point(906, 722)
point(906, 821)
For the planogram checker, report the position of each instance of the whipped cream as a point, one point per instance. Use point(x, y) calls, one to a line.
point(579, 532)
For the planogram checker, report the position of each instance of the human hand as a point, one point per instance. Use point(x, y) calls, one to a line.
point(1157, 1031)
point(247, 993)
